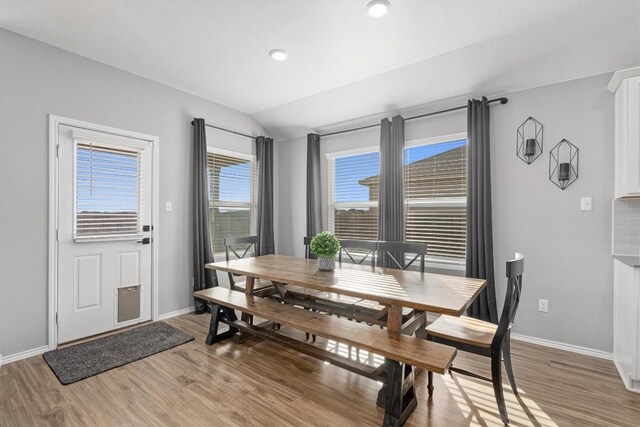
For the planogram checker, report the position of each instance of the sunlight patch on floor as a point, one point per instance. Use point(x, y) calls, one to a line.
point(353, 353)
point(476, 401)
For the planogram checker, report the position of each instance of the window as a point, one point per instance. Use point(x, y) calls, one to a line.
point(353, 210)
point(107, 190)
point(435, 196)
point(232, 196)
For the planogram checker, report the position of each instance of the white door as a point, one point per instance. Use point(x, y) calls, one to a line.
point(104, 232)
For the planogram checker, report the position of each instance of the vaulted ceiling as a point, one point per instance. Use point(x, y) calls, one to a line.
point(342, 63)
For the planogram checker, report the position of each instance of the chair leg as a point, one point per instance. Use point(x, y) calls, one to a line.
point(430, 373)
point(496, 378)
point(506, 354)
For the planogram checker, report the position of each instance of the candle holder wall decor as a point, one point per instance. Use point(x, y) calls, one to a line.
point(563, 164)
point(529, 140)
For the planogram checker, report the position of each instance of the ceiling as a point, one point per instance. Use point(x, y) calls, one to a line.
point(342, 63)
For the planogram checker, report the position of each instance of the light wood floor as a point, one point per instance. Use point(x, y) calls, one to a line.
point(264, 384)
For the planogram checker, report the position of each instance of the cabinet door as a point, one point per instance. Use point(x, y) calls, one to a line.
point(631, 118)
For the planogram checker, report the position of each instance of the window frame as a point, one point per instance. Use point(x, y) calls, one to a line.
point(440, 202)
point(252, 204)
point(332, 205)
point(436, 262)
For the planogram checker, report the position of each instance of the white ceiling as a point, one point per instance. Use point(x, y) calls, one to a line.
point(342, 63)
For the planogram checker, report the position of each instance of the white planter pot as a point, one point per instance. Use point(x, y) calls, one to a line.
point(326, 263)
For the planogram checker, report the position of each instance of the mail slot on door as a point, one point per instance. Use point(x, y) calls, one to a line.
point(128, 303)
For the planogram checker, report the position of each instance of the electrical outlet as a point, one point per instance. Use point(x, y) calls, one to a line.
point(543, 305)
point(586, 203)
point(168, 207)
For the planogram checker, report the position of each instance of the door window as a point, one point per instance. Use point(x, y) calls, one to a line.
point(107, 190)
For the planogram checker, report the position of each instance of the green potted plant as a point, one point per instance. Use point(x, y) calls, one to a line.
point(325, 246)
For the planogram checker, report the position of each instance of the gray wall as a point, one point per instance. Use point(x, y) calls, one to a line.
point(37, 80)
point(567, 251)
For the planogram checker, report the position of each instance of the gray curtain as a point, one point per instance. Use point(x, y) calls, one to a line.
point(314, 203)
point(202, 253)
point(391, 197)
point(264, 150)
point(479, 228)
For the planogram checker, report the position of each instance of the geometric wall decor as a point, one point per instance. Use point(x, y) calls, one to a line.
point(529, 140)
point(563, 164)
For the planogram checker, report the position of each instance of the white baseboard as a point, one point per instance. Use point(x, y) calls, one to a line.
point(24, 354)
point(171, 314)
point(566, 347)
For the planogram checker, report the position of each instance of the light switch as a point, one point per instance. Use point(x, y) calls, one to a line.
point(168, 207)
point(586, 204)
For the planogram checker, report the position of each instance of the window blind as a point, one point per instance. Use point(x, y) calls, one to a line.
point(107, 190)
point(435, 194)
point(354, 196)
point(435, 197)
point(232, 196)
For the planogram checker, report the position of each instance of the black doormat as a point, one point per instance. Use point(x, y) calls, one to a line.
point(84, 360)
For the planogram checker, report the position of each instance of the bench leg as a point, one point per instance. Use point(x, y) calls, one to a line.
point(217, 311)
point(400, 399)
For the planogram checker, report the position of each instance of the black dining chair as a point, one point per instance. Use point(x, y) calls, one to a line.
point(240, 248)
point(394, 254)
point(350, 248)
point(307, 247)
point(299, 291)
point(485, 338)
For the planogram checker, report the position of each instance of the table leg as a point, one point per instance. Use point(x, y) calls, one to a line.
point(394, 324)
point(248, 287)
point(248, 290)
point(394, 318)
point(400, 398)
point(217, 311)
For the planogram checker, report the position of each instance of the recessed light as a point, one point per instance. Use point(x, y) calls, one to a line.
point(279, 54)
point(378, 8)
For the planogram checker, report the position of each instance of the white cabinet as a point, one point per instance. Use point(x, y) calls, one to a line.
point(626, 85)
point(626, 322)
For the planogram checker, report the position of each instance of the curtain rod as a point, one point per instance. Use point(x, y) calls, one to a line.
point(502, 101)
point(228, 130)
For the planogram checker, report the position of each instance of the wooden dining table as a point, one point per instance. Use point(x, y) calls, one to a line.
point(394, 289)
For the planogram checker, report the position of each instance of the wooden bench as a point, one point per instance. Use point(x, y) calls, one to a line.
point(402, 352)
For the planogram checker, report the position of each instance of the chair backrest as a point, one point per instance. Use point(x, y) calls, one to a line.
point(307, 247)
point(349, 247)
point(245, 244)
point(393, 254)
point(515, 268)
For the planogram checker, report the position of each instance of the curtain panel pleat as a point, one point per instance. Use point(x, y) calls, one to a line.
point(264, 151)
point(202, 253)
point(314, 202)
point(479, 252)
point(391, 216)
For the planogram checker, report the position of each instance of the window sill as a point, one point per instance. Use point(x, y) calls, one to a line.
point(444, 265)
point(107, 238)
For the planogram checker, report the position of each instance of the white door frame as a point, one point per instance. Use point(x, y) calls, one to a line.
point(54, 123)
